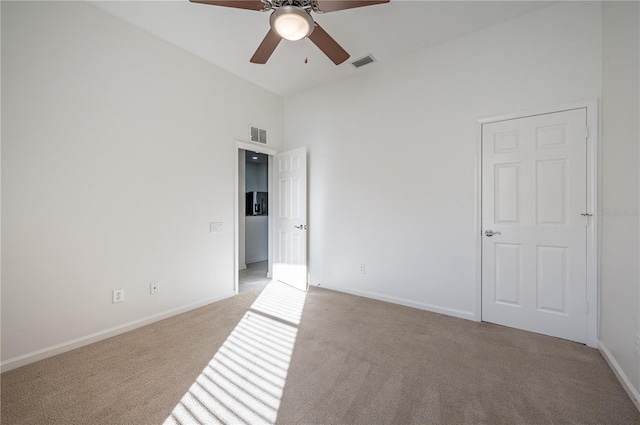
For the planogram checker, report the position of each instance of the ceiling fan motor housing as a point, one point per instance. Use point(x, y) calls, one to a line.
point(291, 22)
point(303, 4)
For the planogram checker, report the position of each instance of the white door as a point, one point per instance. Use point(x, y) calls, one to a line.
point(534, 197)
point(290, 260)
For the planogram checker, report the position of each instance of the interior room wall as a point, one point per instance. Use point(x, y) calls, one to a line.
point(394, 152)
point(117, 154)
point(257, 227)
point(257, 238)
point(242, 183)
point(257, 177)
point(620, 188)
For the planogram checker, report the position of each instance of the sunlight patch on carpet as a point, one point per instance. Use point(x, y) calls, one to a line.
point(244, 382)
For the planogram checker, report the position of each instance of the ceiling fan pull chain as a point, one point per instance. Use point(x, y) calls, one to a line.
point(306, 42)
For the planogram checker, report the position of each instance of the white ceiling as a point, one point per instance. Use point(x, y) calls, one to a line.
point(228, 37)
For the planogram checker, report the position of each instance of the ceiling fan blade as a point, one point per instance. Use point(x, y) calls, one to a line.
point(333, 5)
point(238, 4)
point(328, 45)
point(266, 48)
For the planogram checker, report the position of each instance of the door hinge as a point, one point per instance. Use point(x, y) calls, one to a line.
point(586, 132)
point(586, 308)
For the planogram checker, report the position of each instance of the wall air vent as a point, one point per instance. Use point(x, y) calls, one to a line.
point(364, 61)
point(257, 135)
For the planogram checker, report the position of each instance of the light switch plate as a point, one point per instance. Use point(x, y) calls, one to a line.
point(215, 227)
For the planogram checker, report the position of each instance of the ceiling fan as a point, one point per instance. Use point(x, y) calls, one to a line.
point(291, 20)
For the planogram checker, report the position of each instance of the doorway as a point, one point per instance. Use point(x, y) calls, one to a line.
point(254, 225)
point(253, 205)
point(538, 223)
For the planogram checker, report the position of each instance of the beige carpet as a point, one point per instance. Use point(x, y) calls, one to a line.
point(355, 361)
point(254, 276)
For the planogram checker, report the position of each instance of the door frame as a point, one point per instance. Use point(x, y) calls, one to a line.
point(254, 147)
point(593, 206)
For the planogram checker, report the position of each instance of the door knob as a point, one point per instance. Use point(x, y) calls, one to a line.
point(301, 227)
point(490, 233)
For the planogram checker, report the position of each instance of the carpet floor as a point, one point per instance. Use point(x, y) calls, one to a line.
point(354, 361)
point(254, 276)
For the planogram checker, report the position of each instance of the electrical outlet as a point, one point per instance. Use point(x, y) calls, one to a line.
point(362, 269)
point(118, 295)
point(215, 227)
point(154, 287)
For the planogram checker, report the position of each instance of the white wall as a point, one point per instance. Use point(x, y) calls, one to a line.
point(242, 177)
point(257, 239)
point(117, 152)
point(257, 177)
point(620, 185)
point(256, 228)
point(393, 153)
point(253, 231)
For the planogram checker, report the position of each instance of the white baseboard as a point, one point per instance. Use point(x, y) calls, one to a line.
point(402, 301)
point(622, 377)
point(242, 267)
point(53, 350)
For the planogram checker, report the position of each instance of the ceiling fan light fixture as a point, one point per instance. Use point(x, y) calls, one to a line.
point(291, 23)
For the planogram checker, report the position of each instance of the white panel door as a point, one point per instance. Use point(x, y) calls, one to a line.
point(290, 262)
point(534, 195)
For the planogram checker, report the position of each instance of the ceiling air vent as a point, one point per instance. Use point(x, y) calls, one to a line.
point(257, 135)
point(364, 61)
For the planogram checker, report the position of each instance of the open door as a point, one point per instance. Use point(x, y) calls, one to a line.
point(290, 259)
